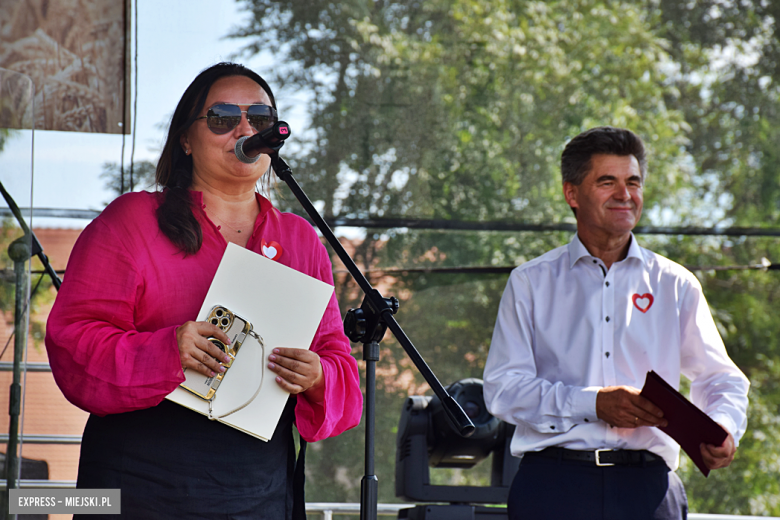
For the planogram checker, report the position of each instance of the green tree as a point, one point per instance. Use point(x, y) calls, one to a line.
point(460, 109)
point(726, 84)
point(118, 182)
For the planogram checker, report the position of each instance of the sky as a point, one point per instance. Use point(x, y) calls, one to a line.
point(176, 40)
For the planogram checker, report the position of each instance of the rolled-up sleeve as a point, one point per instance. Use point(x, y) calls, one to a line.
point(99, 360)
point(342, 405)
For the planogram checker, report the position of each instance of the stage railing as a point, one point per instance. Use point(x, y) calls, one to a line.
point(32, 438)
point(7, 366)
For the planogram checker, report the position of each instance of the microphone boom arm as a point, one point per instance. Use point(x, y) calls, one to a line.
point(37, 248)
point(368, 325)
point(375, 302)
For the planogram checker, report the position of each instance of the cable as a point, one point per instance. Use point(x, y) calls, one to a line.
point(460, 225)
point(506, 269)
point(506, 225)
point(124, 103)
point(134, 119)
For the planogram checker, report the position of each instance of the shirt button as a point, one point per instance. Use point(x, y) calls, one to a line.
point(607, 319)
point(594, 261)
point(607, 354)
point(552, 427)
point(586, 419)
point(607, 284)
point(219, 228)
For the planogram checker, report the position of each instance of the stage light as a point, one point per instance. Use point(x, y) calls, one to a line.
point(449, 449)
point(427, 439)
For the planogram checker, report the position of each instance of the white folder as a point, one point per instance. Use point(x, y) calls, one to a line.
point(284, 307)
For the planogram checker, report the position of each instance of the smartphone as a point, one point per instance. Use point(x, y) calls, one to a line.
point(237, 329)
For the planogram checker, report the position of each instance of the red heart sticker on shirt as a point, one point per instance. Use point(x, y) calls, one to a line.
point(643, 302)
point(271, 249)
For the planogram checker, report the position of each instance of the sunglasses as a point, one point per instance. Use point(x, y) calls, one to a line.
point(224, 117)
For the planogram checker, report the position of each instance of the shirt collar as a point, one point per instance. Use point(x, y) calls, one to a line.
point(578, 250)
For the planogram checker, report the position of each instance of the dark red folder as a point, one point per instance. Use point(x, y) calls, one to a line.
point(688, 425)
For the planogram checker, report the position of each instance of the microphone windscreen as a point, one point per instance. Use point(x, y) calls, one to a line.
point(241, 156)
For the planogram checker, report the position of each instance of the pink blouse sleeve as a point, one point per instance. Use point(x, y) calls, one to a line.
point(342, 405)
point(99, 360)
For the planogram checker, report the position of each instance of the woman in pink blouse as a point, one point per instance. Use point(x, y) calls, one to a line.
point(122, 331)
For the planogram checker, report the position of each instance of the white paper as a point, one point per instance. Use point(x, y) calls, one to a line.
point(285, 308)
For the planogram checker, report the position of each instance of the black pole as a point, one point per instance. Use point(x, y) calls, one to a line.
point(19, 252)
point(368, 325)
point(369, 486)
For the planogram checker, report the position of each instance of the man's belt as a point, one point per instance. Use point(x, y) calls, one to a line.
point(598, 457)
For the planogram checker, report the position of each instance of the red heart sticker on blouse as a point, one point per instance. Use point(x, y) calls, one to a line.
point(271, 249)
point(643, 302)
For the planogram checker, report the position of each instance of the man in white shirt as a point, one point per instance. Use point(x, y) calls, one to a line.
point(577, 331)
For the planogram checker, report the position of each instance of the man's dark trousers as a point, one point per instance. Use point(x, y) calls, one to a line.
point(550, 488)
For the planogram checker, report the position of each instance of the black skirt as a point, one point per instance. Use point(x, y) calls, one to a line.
point(173, 463)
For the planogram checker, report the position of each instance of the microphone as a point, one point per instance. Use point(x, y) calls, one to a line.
point(270, 140)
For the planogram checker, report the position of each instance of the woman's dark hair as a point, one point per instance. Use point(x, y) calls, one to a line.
point(576, 157)
point(174, 169)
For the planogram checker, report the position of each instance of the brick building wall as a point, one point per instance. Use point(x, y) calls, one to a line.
point(45, 410)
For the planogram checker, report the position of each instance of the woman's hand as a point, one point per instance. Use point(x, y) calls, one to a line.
point(298, 370)
point(198, 353)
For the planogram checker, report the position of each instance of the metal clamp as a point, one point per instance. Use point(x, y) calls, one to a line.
point(257, 336)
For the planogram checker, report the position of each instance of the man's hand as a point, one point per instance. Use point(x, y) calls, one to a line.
point(719, 456)
point(623, 407)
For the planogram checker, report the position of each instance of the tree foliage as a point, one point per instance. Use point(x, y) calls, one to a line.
point(459, 109)
point(121, 179)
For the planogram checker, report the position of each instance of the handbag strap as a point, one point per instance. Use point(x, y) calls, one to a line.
point(259, 340)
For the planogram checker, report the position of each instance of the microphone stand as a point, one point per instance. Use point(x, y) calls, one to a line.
point(368, 325)
point(37, 249)
point(20, 251)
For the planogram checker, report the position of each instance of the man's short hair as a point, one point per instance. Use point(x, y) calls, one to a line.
point(608, 140)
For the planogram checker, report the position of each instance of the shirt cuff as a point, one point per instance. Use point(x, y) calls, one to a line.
point(584, 403)
point(728, 423)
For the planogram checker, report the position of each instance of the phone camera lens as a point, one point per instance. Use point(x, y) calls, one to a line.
point(219, 313)
point(214, 321)
point(225, 322)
